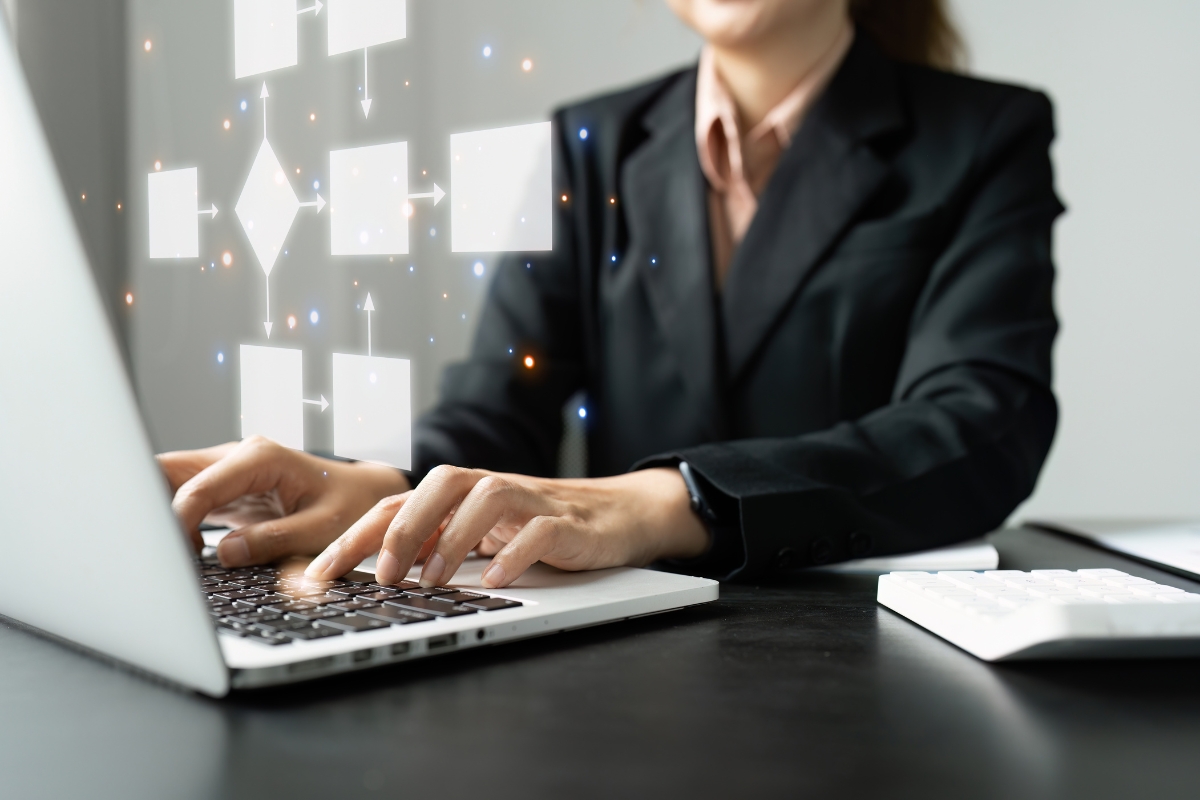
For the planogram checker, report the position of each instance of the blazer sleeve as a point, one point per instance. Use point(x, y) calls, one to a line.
point(494, 411)
point(972, 414)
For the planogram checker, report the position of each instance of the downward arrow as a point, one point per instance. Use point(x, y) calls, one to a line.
point(268, 326)
point(323, 403)
point(366, 102)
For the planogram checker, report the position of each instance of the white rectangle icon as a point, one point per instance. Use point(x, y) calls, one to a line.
point(174, 225)
point(264, 36)
point(368, 193)
point(501, 192)
point(357, 24)
point(372, 411)
point(273, 394)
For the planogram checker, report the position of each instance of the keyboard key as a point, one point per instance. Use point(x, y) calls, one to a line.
point(394, 616)
point(1186, 597)
point(351, 591)
point(294, 606)
point(430, 592)
point(1002, 590)
point(353, 624)
point(1154, 590)
point(1103, 590)
point(492, 604)
point(317, 612)
point(310, 633)
point(272, 639)
point(401, 586)
point(354, 605)
point(1104, 573)
point(325, 599)
point(949, 590)
point(460, 597)
point(427, 606)
point(282, 625)
point(241, 594)
point(379, 596)
point(1052, 591)
point(969, 580)
point(261, 600)
point(1128, 580)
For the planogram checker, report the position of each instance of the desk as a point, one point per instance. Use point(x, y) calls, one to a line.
point(799, 688)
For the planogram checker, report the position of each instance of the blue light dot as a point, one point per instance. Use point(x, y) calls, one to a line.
point(431, 340)
point(582, 412)
point(510, 351)
point(316, 185)
point(464, 316)
point(583, 133)
point(243, 105)
point(614, 259)
point(220, 358)
point(528, 265)
point(411, 268)
point(314, 317)
point(433, 231)
point(487, 52)
point(479, 269)
point(653, 261)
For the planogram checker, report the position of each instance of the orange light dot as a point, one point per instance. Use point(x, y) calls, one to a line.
point(227, 259)
point(312, 117)
point(612, 201)
point(444, 295)
point(157, 166)
point(527, 65)
point(406, 83)
point(148, 45)
point(118, 206)
point(129, 298)
point(564, 198)
point(291, 321)
point(83, 197)
point(225, 124)
point(529, 362)
point(356, 283)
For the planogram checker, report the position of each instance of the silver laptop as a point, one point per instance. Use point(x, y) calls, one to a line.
point(85, 516)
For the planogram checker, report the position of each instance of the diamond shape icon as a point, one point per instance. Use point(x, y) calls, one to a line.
point(267, 207)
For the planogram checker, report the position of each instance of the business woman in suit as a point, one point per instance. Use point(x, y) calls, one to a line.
point(806, 286)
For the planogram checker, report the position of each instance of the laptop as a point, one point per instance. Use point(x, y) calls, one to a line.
point(74, 452)
point(1170, 546)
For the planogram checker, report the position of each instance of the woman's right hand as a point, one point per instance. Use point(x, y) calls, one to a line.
point(280, 502)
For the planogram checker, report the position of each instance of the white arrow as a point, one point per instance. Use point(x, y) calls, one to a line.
point(366, 102)
point(437, 194)
point(323, 403)
point(212, 211)
point(319, 203)
point(263, 95)
point(316, 9)
point(368, 307)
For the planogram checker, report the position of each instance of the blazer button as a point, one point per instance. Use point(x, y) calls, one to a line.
point(860, 544)
point(786, 558)
point(822, 551)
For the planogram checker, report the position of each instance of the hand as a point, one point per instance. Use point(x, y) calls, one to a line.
point(281, 502)
point(629, 520)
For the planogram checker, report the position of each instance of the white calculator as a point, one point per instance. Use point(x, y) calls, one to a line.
point(1005, 614)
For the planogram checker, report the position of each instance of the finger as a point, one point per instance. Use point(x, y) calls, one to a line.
point(421, 517)
point(301, 533)
point(495, 500)
point(489, 546)
point(539, 537)
point(180, 466)
point(361, 540)
point(253, 467)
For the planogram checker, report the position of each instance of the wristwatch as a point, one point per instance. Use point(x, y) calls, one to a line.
point(699, 505)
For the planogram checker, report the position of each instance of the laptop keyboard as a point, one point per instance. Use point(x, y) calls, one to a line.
point(272, 607)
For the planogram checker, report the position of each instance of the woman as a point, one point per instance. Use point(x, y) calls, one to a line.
point(812, 275)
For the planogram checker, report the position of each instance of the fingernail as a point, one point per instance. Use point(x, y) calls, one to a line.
point(494, 576)
point(319, 565)
point(387, 568)
point(435, 565)
point(233, 552)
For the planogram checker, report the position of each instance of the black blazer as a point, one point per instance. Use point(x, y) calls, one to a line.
point(875, 376)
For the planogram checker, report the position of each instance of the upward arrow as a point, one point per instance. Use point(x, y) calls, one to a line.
point(263, 95)
point(368, 307)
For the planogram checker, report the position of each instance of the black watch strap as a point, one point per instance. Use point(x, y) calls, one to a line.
point(699, 504)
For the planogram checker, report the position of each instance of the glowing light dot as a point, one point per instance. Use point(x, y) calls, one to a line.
point(445, 296)
point(373, 378)
point(128, 298)
point(527, 65)
point(220, 358)
point(564, 198)
point(314, 317)
point(225, 124)
point(363, 237)
point(292, 321)
point(157, 166)
point(118, 206)
point(583, 133)
point(316, 185)
point(510, 351)
point(614, 259)
point(408, 209)
point(433, 231)
point(280, 177)
point(243, 106)
point(148, 45)
point(487, 52)
point(464, 316)
point(582, 412)
point(83, 197)
point(312, 117)
point(406, 83)
point(356, 282)
point(411, 268)
point(297, 170)
point(227, 258)
point(529, 362)
point(479, 268)
point(612, 201)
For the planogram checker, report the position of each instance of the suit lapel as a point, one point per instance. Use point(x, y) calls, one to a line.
point(822, 180)
point(665, 200)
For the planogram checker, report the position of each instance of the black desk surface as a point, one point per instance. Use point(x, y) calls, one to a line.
point(806, 688)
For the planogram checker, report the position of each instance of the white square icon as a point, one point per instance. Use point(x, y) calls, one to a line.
point(273, 394)
point(368, 199)
point(174, 225)
point(501, 192)
point(372, 413)
point(358, 24)
point(264, 36)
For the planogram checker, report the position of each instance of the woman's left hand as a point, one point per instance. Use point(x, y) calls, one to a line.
point(626, 520)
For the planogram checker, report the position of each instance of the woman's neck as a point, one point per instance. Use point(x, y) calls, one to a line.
point(759, 74)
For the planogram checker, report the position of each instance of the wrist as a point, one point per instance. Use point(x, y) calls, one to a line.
point(383, 481)
point(682, 533)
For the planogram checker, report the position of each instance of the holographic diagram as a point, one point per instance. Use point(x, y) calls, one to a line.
point(265, 33)
point(273, 401)
point(268, 206)
point(174, 217)
point(372, 417)
point(361, 24)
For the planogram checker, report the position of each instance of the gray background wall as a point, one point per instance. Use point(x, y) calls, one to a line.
point(1122, 77)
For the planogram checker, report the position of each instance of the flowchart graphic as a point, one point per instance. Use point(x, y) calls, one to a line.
point(272, 391)
point(267, 207)
point(361, 24)
point(372, 418)
point(369, 201)
point(500, 180)
point(174, 217)
point(264, 36)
